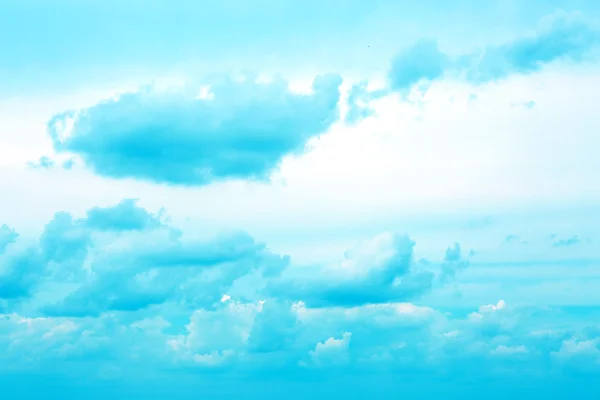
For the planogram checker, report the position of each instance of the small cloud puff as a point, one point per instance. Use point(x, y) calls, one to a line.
point(332, 351)
point(44, 162)
point(454, 262)
point(572, 241)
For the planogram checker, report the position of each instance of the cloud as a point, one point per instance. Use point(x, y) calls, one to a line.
point(423, 61)
point(560, 36)
point(63, 248)
point(223, 330)
point(579, 349)
point(20, 271)
point(161, 300)
point(154, 270)
point(511, 239)
point(122, 258)
point(332, 351)
point(242, 130)
point(359, 98)
point(107, 293)
point(60, 253)
point(124, 216)
point(68, 164)
point(44, 162)
point(288, 337)
point(572, 241)
point(379, 270)
point(454, 262)
point(276, 328)
point(64, 238)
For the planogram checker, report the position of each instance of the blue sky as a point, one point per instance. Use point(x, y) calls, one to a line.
point(266, 200)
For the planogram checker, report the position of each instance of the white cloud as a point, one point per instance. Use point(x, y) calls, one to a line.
point(576, 348)
point(332, 351)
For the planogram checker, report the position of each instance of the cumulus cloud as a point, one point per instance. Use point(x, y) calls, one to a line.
point(242, 129)
point(275, 328)
point(196, 273)
point(379, 270)
point(237, 336)
point(125, 216)
point(20, 272)
point(59, 253)
point(123, 258)
point(65, 243)
point(579, 350)
point(223, 330)
point(332, 351)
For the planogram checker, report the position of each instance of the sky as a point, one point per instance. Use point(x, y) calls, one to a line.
point(282, 200)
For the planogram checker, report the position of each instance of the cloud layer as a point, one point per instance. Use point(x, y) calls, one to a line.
point(141, 293)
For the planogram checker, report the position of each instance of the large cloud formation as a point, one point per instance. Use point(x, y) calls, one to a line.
point(141, 296)
point(240, 129)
